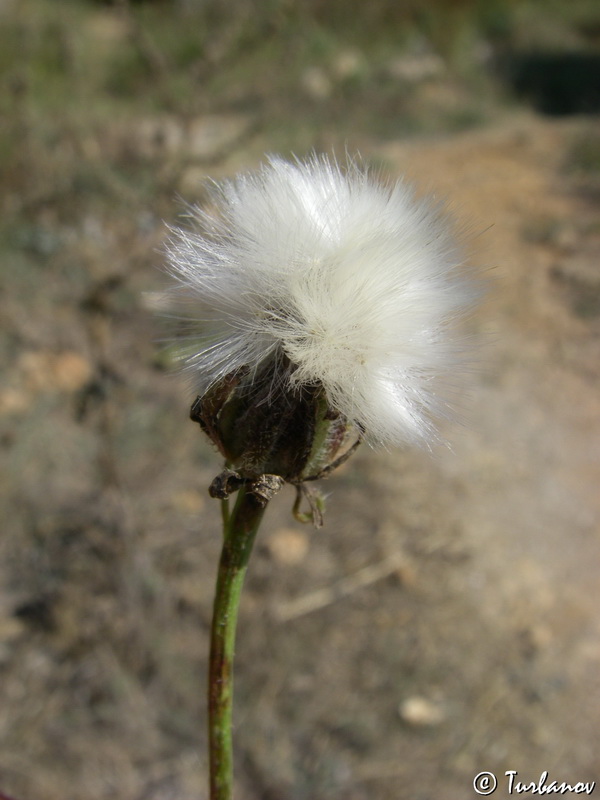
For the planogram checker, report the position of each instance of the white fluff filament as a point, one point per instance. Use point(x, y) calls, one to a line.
point(357, 283)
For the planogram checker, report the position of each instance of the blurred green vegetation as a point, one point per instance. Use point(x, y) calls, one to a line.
point(298, 69)
point(191, 57)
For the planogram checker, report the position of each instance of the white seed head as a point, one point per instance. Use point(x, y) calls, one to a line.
point(357, 283)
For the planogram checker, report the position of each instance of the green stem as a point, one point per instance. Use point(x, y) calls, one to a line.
point(225, 514)
point(239, 532)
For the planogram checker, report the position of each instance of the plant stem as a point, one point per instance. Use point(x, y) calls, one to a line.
point(240, 528)
point(225, 514)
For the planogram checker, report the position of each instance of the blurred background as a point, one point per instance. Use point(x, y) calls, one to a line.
point(444, 621)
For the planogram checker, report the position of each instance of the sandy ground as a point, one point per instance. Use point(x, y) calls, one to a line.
point(444, 622)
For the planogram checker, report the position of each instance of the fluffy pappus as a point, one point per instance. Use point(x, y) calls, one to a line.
point(355, 283)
